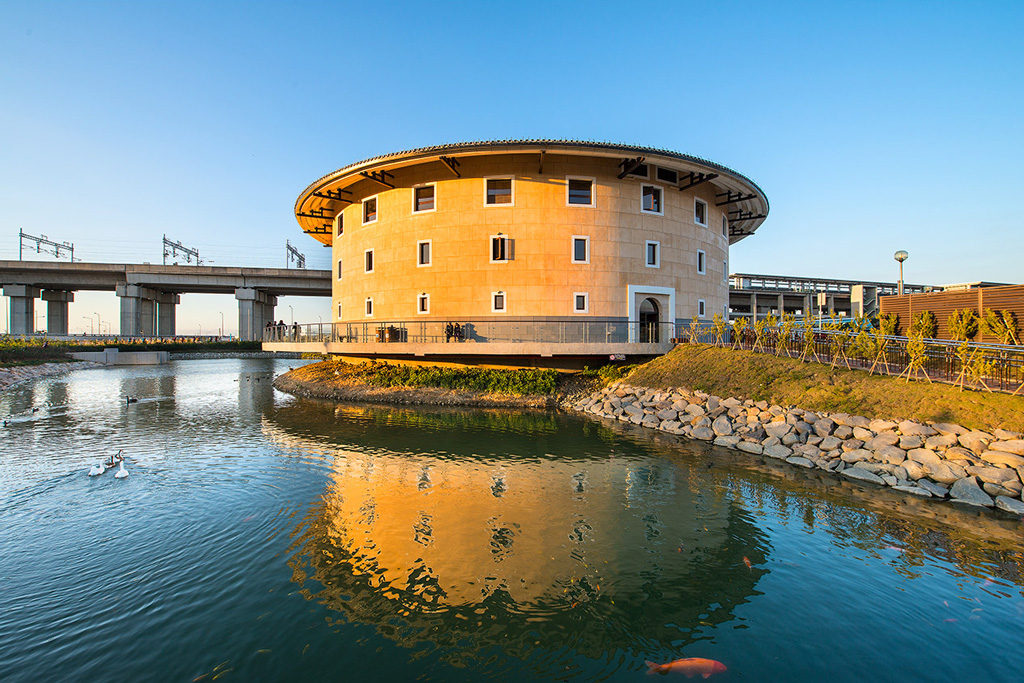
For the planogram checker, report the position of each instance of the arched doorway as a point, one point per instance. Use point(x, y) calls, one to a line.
point(649, 321)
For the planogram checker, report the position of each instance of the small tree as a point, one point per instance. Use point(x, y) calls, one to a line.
point(1000, 324)
point(786, 327)
point(693, 331)
point(963, 325)
point(888, 324)
point(923, 325)
point(720, 326)
point(808, 340)
point(761, 328)
point(916, 350)
point(739, 327)
point(838, 341)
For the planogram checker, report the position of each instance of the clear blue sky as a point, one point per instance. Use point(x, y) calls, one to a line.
point(871, 126)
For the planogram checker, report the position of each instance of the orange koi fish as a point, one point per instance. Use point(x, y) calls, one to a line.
point(691, 666)
point(746, 561)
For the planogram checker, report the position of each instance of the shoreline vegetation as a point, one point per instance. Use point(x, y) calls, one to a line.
point(21, 351)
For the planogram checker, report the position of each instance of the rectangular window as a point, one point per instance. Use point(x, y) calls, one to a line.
point(580, 249)
point(725, 271)
point(650, 199)
point(653, 259)
point(423, 253)
point(368, 266)
point(339, 310)
point(700, 212)
point(701, 262)
point(580, 302)
point(339, 269)
point(423, 198)
point(580, 191)
point(341, 224)
point(369, 306)
point(423, 303)
point(499, 191)
point(701, 307)
point(498, 302)
point(500, 249)
point(667, 176)
point(369, 210)
point(725, 227)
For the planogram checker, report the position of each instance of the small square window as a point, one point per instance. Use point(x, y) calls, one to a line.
point(700, 212)
point(499, 191)
point(369, 306)
point(725, 227)
point(580, 302)
point(653, 255)
point(701, 308)
point(667, 176)
point(501, 249)
point(580, 249)
point(340, 229)
point(650, 200)
point(423, 253)
point(369, 210)
point(423, 303)
point(701, 262)
point(368, 266)
point(580, 191)
point(423, 198)
point(498, 302)
point(339, 269)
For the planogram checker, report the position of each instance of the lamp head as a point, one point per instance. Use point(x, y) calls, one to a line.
point(901, 256)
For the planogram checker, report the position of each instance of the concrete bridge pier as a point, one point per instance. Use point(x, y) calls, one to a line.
point(23, 308)
point(138, 310)
point(166, 320)
point(57, 310)
point(255, 310)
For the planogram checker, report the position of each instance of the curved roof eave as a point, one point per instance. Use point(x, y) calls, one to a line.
point(757, 206)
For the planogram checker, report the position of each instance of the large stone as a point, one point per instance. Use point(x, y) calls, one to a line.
point(666, 414)
point(852, 444)
point(727, 441)
point(863, 433)
point(913, 490)
point(944, 472)
point(891, 455)
point(808, 451)
point(650, 421)
point(911, 428)
point(1016, 446)
point(966, 490)
point(843, 432)
point(703, 433)
point(976, 441)
point(910, 442)
point(924, 456)
point(749, 447)
point(856, 455)
point(824, 427)
point(879, 426)
point(995, 490)
point(875, 467)
point(937, 490)
point(863, 475)
point(779, 451)
point(1010, 505)
point(695, 409)
point(1002, 458)
point(941, 441)
point(722, 426)
point(830, 443)
point(961, 453)
point(851, 420)
point(790, 439)
point(802, 462)
point(633, 409)
point(883, 439)
point(949, 428)
point(994, 475)
point(670, 426)
point(778, 429)
point(1004, 435)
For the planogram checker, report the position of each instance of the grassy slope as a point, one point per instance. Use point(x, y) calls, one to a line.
point(813, 386)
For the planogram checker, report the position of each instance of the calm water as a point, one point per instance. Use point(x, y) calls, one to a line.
point(263, 537)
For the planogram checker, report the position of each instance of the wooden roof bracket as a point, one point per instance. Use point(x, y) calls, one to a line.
point(696, 179)
point(452, 163)
point(629, 165)
point(733, 197)
point(379, 177)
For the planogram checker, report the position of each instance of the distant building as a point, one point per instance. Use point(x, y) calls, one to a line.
point(534, 248)
point(757, 296)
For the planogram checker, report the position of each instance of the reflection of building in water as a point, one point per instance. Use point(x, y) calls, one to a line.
point(586, 551)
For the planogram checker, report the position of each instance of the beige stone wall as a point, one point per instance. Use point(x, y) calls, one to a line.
point(541, 279)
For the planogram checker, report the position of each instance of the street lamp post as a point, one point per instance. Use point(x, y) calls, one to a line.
point(222, 323)
point(900, 256)
point(99, 323)
point(293, 314)
point(92, 329)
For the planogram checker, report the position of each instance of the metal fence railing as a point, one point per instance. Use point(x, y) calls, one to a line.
point(477, 331)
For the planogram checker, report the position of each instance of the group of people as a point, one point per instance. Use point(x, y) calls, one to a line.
point(279, 331)
point(453, 330)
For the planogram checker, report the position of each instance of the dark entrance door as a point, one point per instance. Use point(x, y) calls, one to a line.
point(649, 321)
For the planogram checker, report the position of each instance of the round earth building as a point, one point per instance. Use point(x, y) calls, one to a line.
point(526, 247)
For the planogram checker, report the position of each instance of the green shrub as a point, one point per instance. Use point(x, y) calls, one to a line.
point(516, 382)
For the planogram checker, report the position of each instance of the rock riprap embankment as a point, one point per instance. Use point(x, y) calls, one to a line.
point(20, 373)
point(937, 460)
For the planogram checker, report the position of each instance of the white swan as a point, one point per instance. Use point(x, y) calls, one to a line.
point(96, 470)
point(121, 472)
